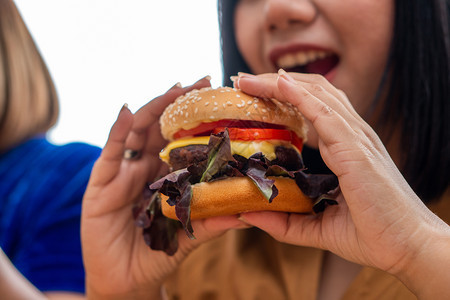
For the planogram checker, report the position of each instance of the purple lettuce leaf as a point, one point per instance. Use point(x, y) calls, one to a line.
point(256, 171)
point(183, 208)
point(178, 187)
point(159, 232)
point(219, 154)
point(319, 187)
point(276, 170)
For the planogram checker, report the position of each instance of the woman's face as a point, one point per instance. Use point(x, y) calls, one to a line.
point(347, 41)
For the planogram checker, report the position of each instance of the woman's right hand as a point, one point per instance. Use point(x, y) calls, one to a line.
point(118, 263)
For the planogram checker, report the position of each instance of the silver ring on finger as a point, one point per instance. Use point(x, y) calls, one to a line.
point(130, 154)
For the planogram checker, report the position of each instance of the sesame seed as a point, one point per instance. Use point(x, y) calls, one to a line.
point(264, 110)
point(229, 103)
point(206, 103)
point(255, 105)
point(215, 103)
point(196, 110)
point(238, 96)
point(212, 117)
point(249, 102)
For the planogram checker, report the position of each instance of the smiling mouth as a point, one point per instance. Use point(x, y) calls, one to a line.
point(311, 61)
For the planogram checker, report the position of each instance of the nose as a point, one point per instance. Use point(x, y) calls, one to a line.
point(283, 14)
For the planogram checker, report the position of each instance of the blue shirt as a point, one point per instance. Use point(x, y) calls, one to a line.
point(41, 189)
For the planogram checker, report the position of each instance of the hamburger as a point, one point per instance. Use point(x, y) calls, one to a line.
point(230, 153)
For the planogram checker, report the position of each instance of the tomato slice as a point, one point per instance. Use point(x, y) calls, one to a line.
point(205, 129)
point(244, 130)
point(254, 134)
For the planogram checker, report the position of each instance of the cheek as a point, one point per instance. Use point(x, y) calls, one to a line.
point(365, 50)
point(248, 36)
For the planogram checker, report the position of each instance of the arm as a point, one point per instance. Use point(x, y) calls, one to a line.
point(13, 285)
point(379, 221)
point(426, 273)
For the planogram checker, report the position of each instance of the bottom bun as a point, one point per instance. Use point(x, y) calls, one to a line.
point(236, 195)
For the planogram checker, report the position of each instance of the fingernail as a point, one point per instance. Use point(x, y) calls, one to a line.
point(241, 218)
point(284, 75)
point(243, 74)
point(234, 78)
point(207, 77)
point(176, 86)
point(243, 226)
point(124, 107)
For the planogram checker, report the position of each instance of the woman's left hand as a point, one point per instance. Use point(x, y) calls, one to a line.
point(380, 221)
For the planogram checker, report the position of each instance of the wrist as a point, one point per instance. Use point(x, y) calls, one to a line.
point(425, 272)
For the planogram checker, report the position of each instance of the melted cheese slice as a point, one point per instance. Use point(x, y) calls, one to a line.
point(243, 148)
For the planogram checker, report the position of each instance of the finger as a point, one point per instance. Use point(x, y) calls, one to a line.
point(312, 80)
point(265, 86)
point(297, 229)
point(147, 118)
point(209, 228)
point(321, 115)
point(110, 159)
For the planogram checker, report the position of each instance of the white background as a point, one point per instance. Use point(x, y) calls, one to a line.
point(104, 53)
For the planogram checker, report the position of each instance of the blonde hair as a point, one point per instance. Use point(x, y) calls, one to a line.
point(28, 99)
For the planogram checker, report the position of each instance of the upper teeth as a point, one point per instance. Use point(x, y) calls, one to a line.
point(300, 58)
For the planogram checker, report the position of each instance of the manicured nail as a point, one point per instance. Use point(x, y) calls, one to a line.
point(243, 226)
point(176, 86)
point(245, 75)
point(124, 107)
point(284, 75)
point(123, 110)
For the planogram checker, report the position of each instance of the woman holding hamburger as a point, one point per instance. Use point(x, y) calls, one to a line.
point(377, 113)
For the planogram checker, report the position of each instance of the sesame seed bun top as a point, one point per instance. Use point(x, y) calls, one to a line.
point(210, 105)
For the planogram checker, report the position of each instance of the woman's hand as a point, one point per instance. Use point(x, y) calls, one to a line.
point(379, 221)
point(118, 263)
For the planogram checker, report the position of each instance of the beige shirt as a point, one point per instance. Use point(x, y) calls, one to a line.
point(249, 264)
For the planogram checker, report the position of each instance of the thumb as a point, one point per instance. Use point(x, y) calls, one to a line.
point(210, 228)
point(292, 228)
